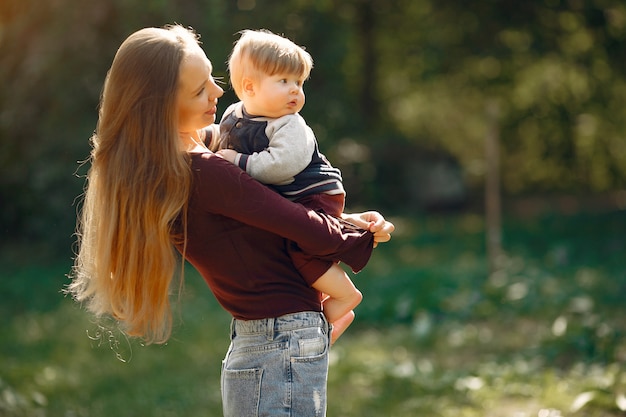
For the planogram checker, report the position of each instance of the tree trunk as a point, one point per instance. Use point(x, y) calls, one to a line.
point(492, 188)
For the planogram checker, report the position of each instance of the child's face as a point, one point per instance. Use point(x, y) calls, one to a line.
point(275, 95)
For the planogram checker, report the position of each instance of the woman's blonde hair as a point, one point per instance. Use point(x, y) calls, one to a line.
point(137, 187)
point(260, 52)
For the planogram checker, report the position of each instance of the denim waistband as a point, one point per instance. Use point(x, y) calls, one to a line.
point(272, 325)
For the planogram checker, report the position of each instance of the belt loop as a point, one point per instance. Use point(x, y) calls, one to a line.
point(270, 328)
point(233, 333)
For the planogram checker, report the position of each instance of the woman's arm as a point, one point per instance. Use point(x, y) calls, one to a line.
point(227, 190)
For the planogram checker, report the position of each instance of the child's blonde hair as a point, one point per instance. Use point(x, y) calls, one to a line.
point(261, 52)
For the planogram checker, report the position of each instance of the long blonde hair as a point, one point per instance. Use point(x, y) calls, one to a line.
point(137, 187)
point(261, 52)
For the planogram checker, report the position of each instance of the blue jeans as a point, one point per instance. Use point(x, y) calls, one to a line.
point(277, 367)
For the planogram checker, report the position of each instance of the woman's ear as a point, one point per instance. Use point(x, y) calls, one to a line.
point(248, 86)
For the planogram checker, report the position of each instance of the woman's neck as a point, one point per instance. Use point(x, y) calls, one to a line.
point(193, 141)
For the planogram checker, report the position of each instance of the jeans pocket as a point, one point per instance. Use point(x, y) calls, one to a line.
point(309, 373)
point(241, 390)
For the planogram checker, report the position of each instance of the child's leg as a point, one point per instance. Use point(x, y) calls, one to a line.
point(343, 296)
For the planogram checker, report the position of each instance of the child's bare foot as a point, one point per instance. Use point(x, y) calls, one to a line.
point(340, 325)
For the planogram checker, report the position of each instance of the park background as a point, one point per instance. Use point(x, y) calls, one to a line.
point(493, 134)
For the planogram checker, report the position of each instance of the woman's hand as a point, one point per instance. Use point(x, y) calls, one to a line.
point(373, 222)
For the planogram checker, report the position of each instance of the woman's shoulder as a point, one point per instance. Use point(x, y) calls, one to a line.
point(213, 176)
point(210, 166)
point(205, 159)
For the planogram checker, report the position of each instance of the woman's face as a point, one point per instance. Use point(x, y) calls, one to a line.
point(197, 92)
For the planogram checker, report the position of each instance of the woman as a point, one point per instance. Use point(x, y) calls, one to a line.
point(154, 186)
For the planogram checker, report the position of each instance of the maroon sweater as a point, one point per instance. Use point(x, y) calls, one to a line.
point(238, 231)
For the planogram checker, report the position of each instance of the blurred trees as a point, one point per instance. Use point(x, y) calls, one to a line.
point(396, 84)
point(556, 68)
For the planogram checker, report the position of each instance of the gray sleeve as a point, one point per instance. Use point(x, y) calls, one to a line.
point(291, 146)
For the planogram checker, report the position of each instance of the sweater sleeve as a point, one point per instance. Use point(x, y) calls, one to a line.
point(228, 191)
point(291, 146)
point(212, 137)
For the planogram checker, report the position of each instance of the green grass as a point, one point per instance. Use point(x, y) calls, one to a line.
point(434, 336)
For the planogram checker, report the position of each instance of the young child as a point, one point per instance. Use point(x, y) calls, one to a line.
point(264, 135)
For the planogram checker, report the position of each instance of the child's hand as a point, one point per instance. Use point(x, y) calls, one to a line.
point(228, 154)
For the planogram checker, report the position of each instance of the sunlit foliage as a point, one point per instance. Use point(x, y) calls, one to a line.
point(410, 74)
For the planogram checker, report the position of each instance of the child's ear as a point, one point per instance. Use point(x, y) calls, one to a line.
point(248, 86)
